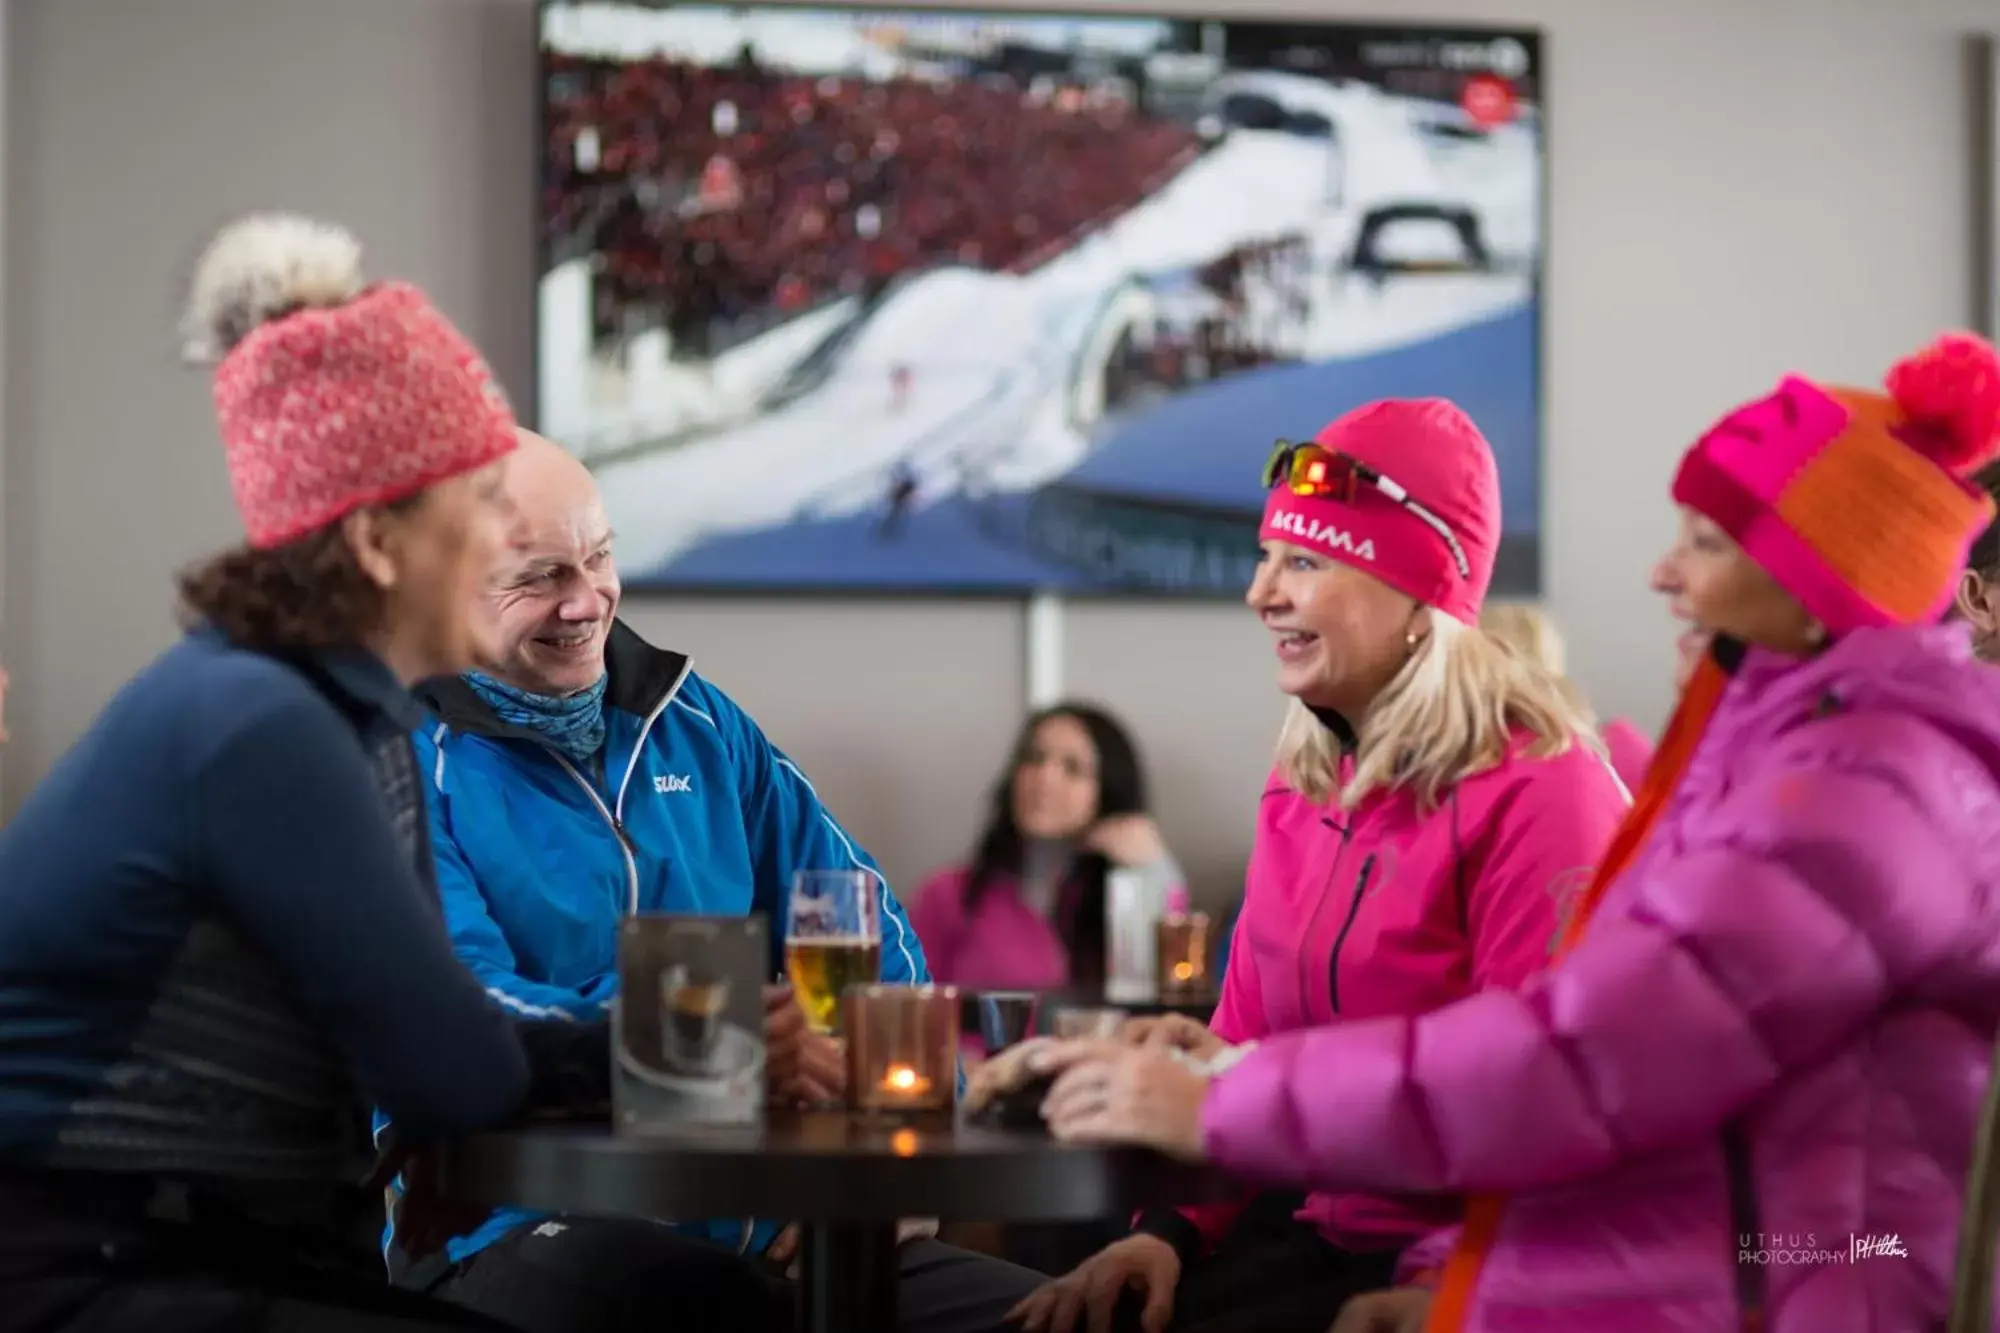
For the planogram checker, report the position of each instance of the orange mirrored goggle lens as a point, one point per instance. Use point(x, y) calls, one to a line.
point(1307, 469)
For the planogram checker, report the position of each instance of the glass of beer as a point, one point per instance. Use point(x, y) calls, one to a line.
point(832, 941)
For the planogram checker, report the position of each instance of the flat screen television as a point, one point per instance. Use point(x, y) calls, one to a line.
point(928, 301)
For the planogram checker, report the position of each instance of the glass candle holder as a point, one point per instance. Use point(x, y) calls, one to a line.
point(902, 1049)
point(1183, 943)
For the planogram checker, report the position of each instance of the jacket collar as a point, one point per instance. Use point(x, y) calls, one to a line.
point(1343, 733)
point(642, 679)
point(359, 683)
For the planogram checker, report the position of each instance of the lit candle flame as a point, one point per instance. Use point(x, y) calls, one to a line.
point(905, 1081)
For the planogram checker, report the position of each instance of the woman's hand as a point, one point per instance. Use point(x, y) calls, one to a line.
point(1175, 1032)
point(1002, 1073)
point(1127, 840)
point(1106, 1092)
point(1402, 1310)
point(1143, 1264)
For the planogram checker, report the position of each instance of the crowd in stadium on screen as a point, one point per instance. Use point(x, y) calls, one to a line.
point(715, 193)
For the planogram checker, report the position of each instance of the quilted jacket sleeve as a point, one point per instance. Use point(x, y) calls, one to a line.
point(1849, 863)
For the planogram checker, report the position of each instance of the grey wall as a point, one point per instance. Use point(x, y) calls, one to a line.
point(1741, 187)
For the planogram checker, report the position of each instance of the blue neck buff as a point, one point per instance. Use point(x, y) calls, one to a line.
point(573, 723)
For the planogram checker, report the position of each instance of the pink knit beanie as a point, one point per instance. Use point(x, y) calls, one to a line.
point(332, 396)
point(1431, 450)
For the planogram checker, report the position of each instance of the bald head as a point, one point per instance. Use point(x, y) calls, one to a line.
point(552, 598)
point(547, 484)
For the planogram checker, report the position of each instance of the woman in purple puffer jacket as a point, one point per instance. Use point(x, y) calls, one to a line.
point(1747, 1095)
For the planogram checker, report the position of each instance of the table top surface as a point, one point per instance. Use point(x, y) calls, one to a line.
point(820, 1165)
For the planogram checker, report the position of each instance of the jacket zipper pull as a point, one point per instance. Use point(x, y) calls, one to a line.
point(1353, 910)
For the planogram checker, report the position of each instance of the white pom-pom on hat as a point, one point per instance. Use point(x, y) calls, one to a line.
point(260, 268)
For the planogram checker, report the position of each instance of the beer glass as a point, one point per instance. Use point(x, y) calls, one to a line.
point(833, 940)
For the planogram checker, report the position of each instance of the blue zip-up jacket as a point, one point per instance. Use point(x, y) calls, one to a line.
point(691, 810)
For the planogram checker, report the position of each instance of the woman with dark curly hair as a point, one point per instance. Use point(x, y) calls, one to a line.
point(1976, 600)
point(217, 940)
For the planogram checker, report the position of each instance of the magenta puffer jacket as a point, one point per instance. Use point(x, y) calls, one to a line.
point(1756, 1080)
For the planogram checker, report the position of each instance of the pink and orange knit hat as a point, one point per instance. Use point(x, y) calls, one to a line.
point(331, 395)
point(1857, 501)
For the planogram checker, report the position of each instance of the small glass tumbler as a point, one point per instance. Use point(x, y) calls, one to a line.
point(1006, 1018)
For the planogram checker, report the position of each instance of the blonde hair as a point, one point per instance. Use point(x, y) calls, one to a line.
point(1453, 711)
point(1527, 629)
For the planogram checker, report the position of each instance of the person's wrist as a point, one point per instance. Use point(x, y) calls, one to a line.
point(1227, 1059)
point(1172, 1229)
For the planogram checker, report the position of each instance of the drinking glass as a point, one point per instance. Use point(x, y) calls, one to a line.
point(1006, 1018)
point(1083, 1022)
point(833, 940)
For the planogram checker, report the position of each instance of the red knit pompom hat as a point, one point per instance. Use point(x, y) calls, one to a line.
point(1856, 501)
point(332, 396)
point(1434, 452)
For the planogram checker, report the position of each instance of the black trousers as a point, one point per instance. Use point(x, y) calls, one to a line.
point(605, 1275)
point(177, 1299)
point(1269, 1280)
point(73, 1260)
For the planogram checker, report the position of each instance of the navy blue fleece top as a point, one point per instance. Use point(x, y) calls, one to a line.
point(217, 934)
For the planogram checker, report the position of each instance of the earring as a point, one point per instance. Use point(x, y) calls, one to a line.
point(1815, 634)
point(1410, 644)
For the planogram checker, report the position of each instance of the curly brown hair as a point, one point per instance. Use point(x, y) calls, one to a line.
point(1984, 557)
point(307, 595)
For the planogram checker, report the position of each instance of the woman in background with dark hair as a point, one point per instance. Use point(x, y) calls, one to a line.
point(1027, 913)
point(1977, 597)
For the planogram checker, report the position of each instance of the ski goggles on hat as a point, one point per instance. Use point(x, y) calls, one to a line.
point(1312, 470)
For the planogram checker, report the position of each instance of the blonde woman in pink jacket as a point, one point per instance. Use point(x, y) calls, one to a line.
point(1435, 802)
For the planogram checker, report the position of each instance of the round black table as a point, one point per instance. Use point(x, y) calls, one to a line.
point(846, 1179)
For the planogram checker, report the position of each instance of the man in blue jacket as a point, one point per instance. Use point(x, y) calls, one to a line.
point(584, 775)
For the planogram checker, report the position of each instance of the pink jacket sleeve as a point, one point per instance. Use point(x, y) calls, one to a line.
point(937, 914)
point(1239, 1013)
point(1779, 926)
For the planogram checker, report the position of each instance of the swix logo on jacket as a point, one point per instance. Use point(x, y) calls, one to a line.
point(689, 809)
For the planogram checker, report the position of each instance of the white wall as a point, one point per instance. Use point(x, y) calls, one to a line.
point(1741, 187)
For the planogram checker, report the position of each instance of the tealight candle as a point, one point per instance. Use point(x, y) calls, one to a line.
point(902, 1048)
point(903, 1081)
